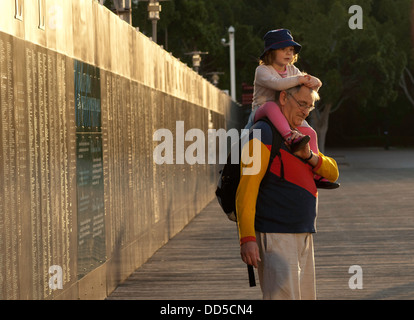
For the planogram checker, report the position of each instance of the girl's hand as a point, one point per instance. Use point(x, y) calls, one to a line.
point(305, 80)
point(313, 83)
point(293, 136)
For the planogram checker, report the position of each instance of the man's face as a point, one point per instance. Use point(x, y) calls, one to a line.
point(296, 107)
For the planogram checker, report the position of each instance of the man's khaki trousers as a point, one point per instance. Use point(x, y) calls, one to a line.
point(287, 269)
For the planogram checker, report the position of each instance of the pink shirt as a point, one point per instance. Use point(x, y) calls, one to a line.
point(283, 74)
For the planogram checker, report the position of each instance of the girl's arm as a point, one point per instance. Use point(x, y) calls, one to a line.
point(266, 79)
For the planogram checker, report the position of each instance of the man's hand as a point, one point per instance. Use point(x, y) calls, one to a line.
point(305, 153)
point(249, 252)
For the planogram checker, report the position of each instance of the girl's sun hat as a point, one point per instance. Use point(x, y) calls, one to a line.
point(278, 39)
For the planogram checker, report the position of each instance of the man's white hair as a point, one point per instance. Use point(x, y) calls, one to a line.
point(293, 90)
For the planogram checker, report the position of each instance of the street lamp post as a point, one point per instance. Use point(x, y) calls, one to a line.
point(232, 64)
point(196, 59)
point(231, 31)
point(215, 77)
point(154, 9)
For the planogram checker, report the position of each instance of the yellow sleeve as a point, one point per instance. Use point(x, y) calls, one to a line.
point(327, 168)
point(248, 189)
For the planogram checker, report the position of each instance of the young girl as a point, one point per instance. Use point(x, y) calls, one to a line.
point(276, 72)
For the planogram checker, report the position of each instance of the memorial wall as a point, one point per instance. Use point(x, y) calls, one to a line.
point(82, 202)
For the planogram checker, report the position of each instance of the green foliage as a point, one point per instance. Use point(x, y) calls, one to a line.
point(360, 68)
point(109, 4)
point(365, 64)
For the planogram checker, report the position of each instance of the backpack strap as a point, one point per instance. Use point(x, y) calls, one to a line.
point(277, 141)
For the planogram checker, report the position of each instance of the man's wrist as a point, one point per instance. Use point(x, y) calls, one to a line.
point(310, 157)
point(313, 160)
point(247, 239)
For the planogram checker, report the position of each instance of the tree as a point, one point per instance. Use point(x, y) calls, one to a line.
point(359, 68)
point(407, 84)
point(364, 69)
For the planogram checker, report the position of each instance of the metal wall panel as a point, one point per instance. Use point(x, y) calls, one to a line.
point(83, 30)
point(82, 202)
point(34, 19)
point(9, 223)
point(102, 37)
point(37, 170)
point(59, 20)
point(89, 167)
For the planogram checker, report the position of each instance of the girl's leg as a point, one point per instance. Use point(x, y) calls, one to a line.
point(272, 111)
point(321, 182)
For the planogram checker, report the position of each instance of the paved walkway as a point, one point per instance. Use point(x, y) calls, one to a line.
point(368, 222)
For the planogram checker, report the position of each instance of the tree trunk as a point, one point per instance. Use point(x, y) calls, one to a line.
point(320, 121)
point(406, 86)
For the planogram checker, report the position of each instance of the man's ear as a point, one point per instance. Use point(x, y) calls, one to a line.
point(283, 98)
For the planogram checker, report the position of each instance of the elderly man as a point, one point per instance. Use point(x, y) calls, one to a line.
point(276, 208)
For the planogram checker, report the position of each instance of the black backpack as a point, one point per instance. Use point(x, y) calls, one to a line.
point(230, 175)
